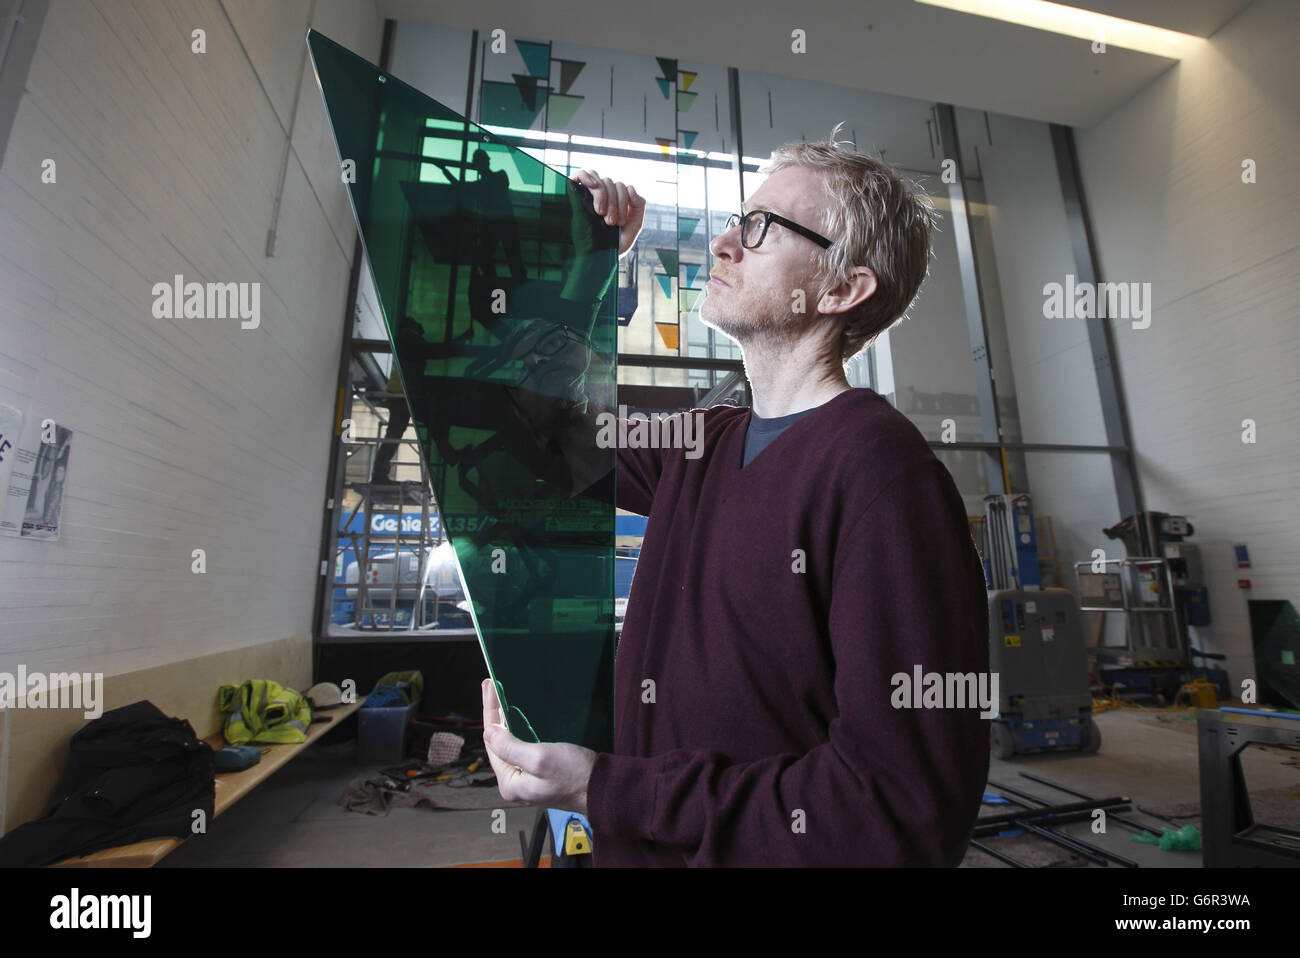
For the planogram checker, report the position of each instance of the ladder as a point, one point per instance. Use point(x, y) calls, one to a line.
point(377, 499)
point(380, 582)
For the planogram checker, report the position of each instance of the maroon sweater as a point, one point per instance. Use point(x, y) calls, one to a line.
point(768, 737)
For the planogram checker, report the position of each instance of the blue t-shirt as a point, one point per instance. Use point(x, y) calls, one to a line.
point(762, 431)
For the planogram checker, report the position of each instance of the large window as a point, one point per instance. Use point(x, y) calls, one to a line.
point(978, 328)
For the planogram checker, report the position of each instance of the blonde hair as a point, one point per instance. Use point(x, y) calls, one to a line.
point(876, 220)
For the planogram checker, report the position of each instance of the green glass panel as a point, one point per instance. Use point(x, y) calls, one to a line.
point(503, 104)
point(560, 110)
point(493, 272)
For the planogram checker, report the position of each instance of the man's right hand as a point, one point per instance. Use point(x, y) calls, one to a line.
point(618, 203)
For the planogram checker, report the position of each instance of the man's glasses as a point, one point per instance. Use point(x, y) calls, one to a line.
point(549, 341)
point(754, 224)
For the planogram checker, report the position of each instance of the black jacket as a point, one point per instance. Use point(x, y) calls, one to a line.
point(132, 774)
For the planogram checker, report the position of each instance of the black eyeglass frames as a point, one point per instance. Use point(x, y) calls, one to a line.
point(754, 224)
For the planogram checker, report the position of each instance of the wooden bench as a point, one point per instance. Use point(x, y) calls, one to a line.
point(230, 788)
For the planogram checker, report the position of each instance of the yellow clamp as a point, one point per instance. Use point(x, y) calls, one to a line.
point(576, 839)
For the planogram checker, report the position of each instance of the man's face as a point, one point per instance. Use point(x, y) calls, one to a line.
point(752, 290)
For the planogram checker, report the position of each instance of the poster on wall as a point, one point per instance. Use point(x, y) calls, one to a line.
point(33, 472)
point(13, 413)
point(45, 496)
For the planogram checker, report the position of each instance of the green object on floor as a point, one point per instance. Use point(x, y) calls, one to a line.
point(1185, 839)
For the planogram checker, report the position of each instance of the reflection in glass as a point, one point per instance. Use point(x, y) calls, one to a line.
point(492, 271)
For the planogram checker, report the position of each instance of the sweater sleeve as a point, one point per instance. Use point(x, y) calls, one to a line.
point(639, 471)
point(891, 786)
point(631, 484)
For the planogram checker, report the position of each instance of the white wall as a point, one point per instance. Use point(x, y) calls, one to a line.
point(1164, 187)
point(931, 346)
point(188, 434)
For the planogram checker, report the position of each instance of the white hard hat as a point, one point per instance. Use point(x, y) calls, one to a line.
point(325, 695)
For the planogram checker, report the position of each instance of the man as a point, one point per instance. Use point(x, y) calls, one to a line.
point(497, 219)
point(399, 417)
point(816, 551)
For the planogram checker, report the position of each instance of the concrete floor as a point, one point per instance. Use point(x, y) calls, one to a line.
point(1151, 758)
point(293, 819)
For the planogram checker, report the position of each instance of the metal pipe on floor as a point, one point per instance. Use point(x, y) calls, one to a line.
point(998, 855)
point(1069, 818)
point(1072, 844)
point(1138, 826)
point(1069, 807)
point(1080, 843)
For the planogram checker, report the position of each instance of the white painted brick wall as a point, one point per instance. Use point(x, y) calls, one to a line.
point(187, 433)
point(1163, 181)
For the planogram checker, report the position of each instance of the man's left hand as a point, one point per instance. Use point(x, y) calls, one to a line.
point(550, 774)
point(620, 205)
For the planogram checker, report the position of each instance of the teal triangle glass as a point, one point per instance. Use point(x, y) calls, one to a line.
point(493, 272)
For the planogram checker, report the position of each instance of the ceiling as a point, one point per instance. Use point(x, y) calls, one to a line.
point(1200, 18)
point(889, 46)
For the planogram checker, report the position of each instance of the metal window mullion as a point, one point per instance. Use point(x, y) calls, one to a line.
point(976, 326)
point(323, 616)
point(22, 31)
point(1110, 389)
point(733, 97)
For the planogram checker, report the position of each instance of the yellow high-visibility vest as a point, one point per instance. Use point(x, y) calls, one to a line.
point(264, 711)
